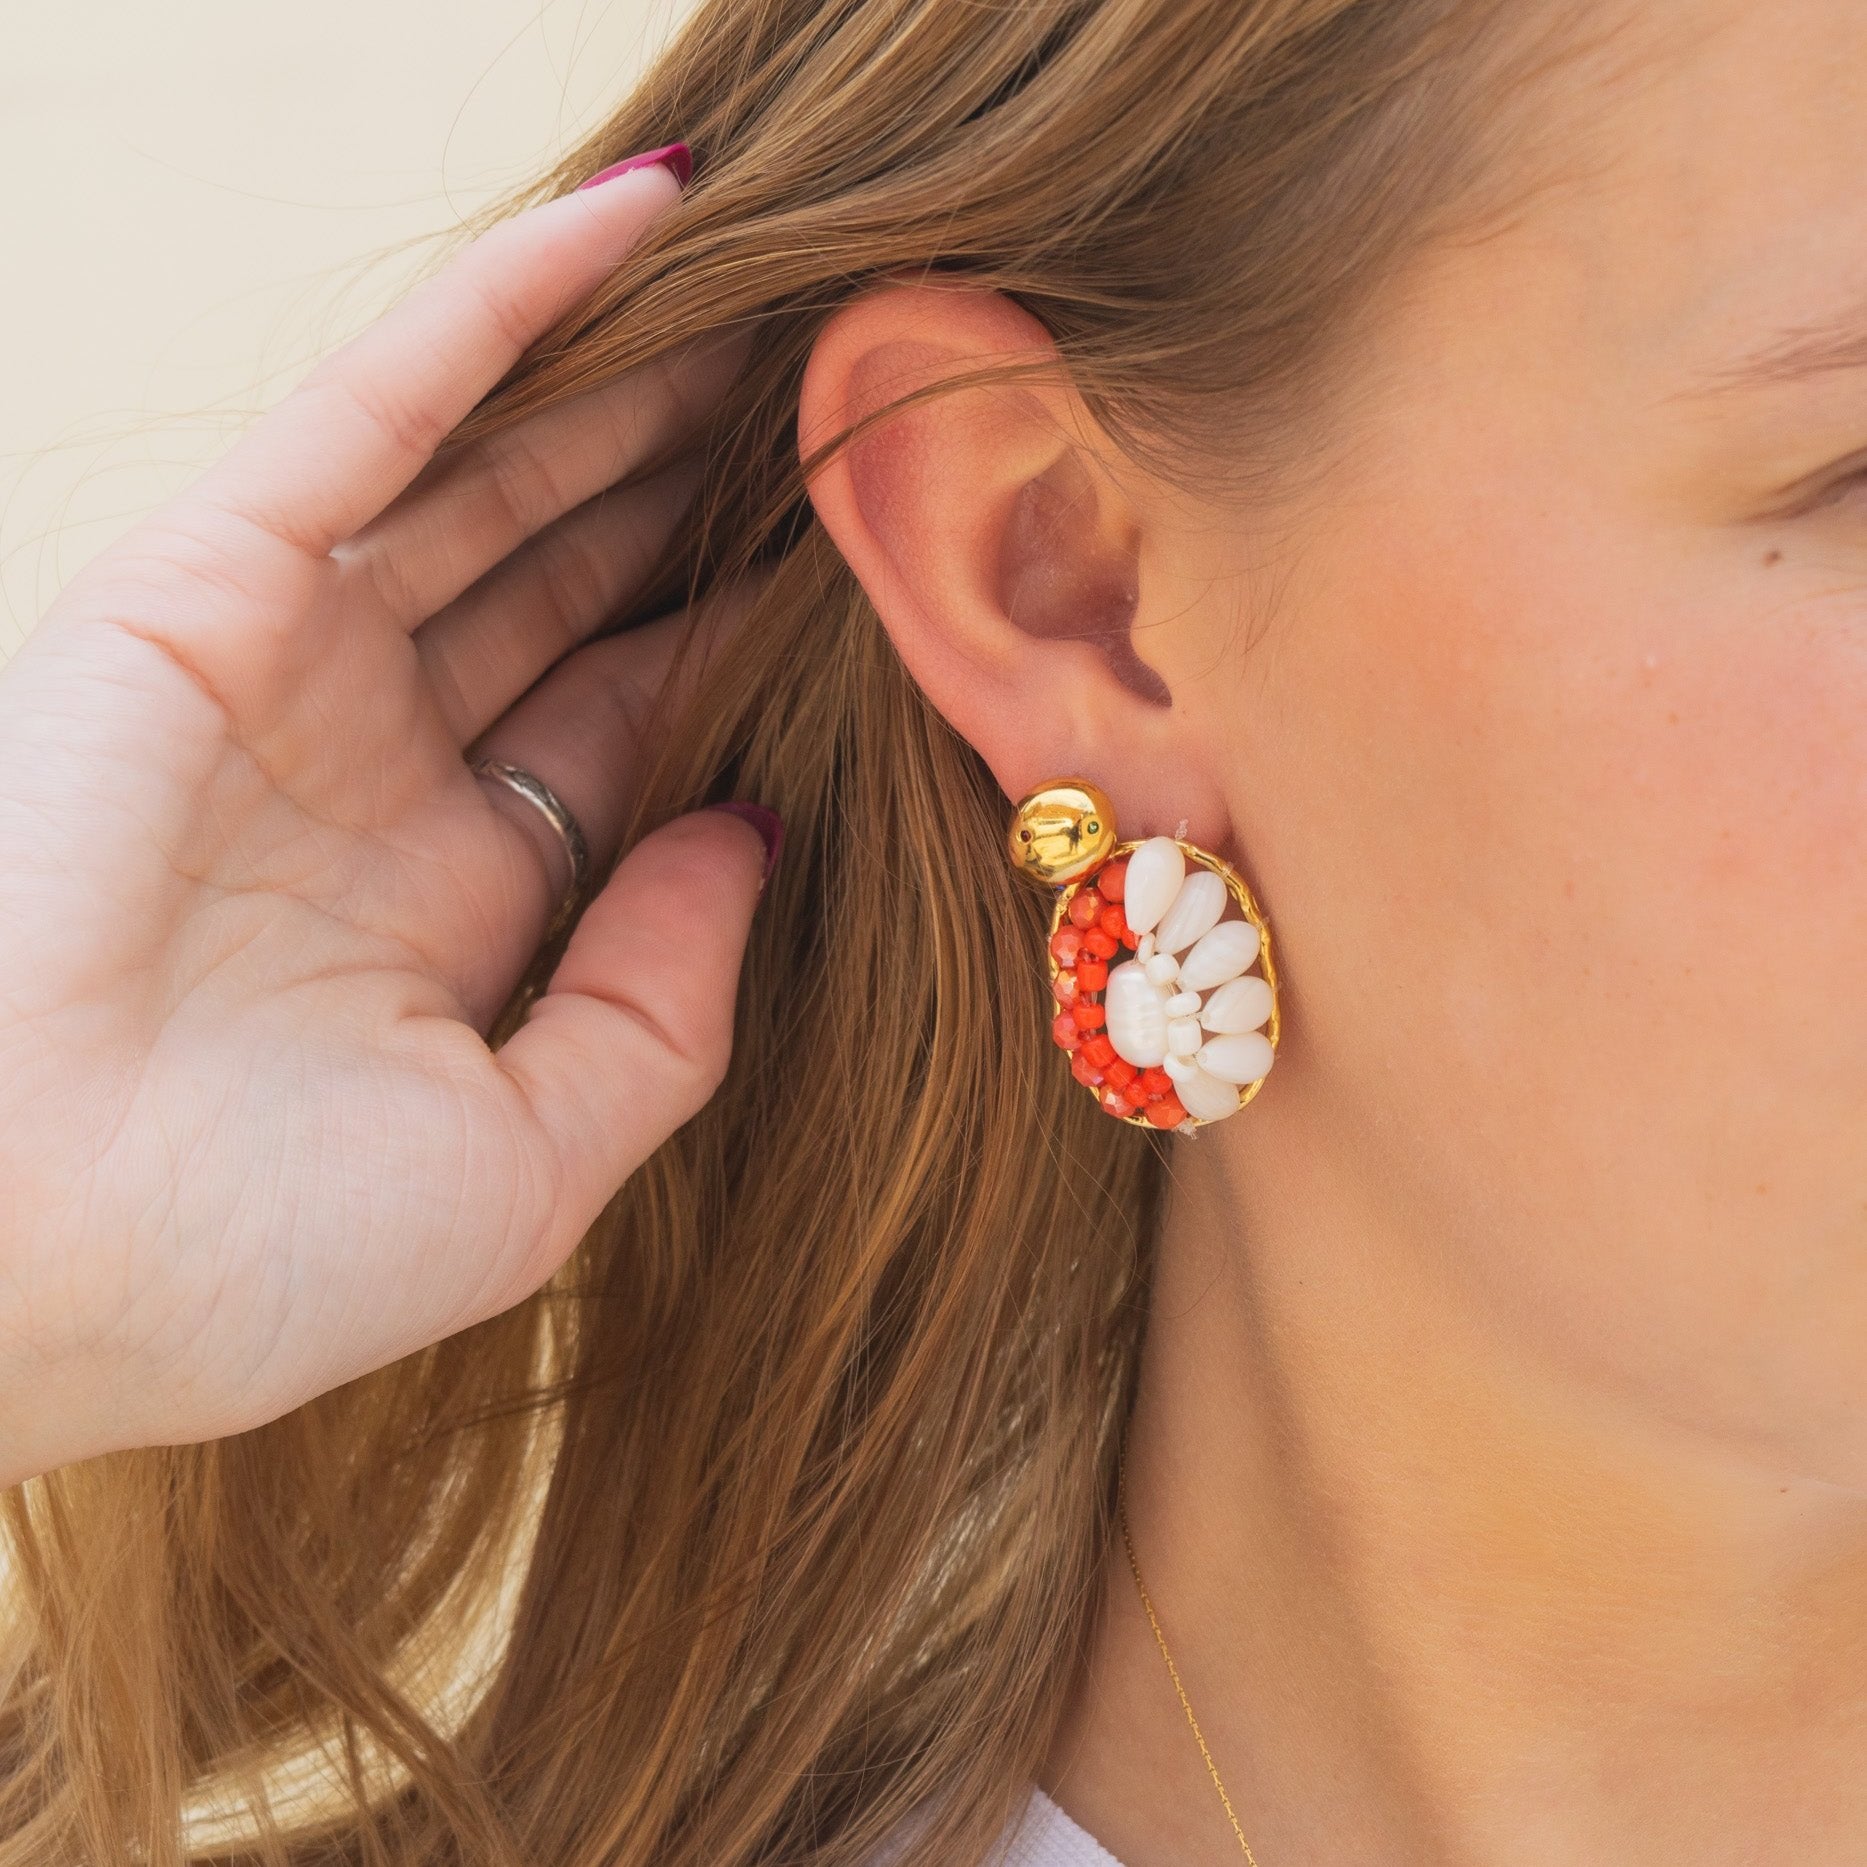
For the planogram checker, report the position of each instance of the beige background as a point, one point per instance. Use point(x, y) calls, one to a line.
point(199, 197)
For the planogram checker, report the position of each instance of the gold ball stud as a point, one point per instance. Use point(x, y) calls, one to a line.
point(1061, 830)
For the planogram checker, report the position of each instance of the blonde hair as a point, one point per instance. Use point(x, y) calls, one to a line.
point(778, 1513)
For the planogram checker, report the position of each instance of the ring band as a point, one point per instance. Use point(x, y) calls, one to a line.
point(535, 791)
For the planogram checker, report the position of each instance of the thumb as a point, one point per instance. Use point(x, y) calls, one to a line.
point(635, 1030)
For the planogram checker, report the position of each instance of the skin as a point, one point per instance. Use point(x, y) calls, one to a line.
point(1499, 1468)
point(257, 915)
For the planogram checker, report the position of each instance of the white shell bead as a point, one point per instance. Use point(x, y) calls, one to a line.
point(1163, 970)
point(1222, 954)
point(1137, 1017)
point(1239, 1058)
point(1205, 1096)
point(1196, 909)
point(1144, 948)
point(1179, 1068)
point(1184, 1036)
point(1238, 1005)
point(1183, 1005)
point(1156, 868)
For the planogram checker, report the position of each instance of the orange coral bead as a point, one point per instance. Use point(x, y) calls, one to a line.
point(1130, 939)
point(1165, 1112)
point(1065, 944)
point(1063, 985)
point(1092, 974)
point(1112, 920)
point(1090, 1014)
point(1085, 905)
point(1121, 1073)
point(1084, 1071)
point(1154, 1082)
point(1101, 945)
point(1112, 879)
point(1099, 1050)
point(1114, 1102)
point(1065, 1029)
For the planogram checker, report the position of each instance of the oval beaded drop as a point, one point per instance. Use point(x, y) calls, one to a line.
point(1178, 1034)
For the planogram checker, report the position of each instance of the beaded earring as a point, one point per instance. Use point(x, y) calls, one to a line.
point(1183, 1032)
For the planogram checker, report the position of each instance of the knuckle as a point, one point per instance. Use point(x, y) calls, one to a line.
point(614, 689)
point(395, 584)
point(573, 584)
point(504, 312)
point(696, 1051)
point(522, 483)
point(413, 430)
point(666, 401)
point(687, 1023)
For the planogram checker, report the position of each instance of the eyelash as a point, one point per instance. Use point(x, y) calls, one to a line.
point(1834, 493)
point(1850, 481)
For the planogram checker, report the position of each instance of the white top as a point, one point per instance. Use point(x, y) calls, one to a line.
point(1046, 1837)
point(1039, 1835)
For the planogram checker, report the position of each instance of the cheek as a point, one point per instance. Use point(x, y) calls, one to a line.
point(1600, 805)
point(1563, 836)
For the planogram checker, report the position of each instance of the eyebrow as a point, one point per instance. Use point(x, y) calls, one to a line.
point(1795, 355)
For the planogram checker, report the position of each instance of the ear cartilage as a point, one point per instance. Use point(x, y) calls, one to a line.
point(1151, 950)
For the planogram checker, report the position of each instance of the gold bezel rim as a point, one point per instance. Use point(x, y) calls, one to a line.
point(1240, 891)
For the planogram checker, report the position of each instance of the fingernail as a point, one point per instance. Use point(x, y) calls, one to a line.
point(766, 822)
point(676, 156)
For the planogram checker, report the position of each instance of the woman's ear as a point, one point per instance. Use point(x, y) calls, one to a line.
point(1004, 544)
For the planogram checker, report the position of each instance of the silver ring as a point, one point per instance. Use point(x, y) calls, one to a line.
point(535, 791)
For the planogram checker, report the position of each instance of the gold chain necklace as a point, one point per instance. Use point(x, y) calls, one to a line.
point(1121, 1507)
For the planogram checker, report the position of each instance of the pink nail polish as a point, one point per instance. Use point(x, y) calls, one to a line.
point(676, 156)
point(766, 822)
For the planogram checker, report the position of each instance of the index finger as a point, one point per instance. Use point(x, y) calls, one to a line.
point(367, 418)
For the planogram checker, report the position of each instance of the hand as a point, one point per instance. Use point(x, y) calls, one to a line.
point(257, 915)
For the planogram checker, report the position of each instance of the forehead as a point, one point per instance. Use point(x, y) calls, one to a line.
point(1683, 185)
point(1710, 168)
point(1737, 173)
